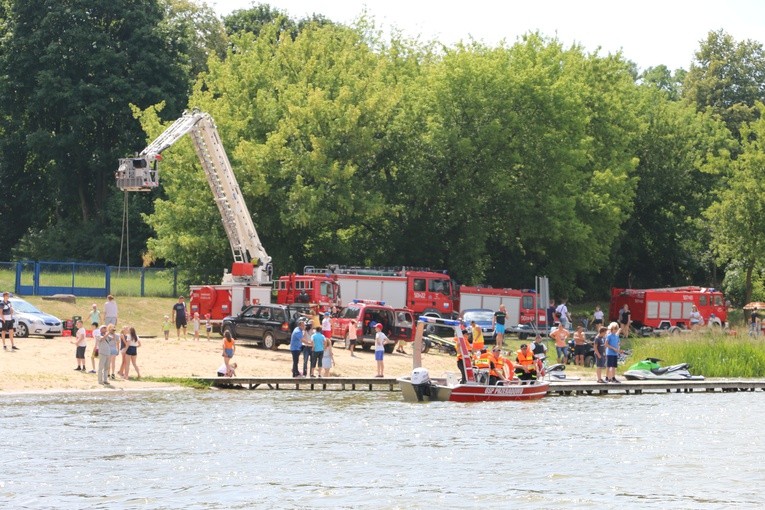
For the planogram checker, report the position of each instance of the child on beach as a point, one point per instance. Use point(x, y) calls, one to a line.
point(229, 348)
point(195, 323)
point(328, 361)
point(352, 336)
point(380, 340)
point(166, 327)
point(208, 326)
point(81, 343)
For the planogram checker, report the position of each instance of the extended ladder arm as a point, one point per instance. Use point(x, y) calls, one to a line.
point(139, 174)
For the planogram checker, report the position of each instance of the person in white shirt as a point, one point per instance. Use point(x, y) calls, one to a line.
point(227, 371)
point(380, 340)
point(81, 342)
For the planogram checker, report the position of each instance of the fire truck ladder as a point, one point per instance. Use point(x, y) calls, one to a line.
point(244, 239)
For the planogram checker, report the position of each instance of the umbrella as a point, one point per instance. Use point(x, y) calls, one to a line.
point(756, 305)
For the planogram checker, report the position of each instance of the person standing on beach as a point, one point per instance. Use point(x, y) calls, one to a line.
point(563, 315)
point(124, 332)
point(317, 355)
point(81, 342)
point(132, 353)
point(307, 347)
point(498, 322)
point(613, 350)
point(380, 340)
point(7, 314)
point(352, 336)
point(195, 325)
point(105, 344)
point(166, 327)
point(97, 334)
point(625, 320)
point(597, 318)
point(110, 310)
point(328, 360)
point(296, 346)
point(560, 335)
point(95, 316)
point(179, 317)
point(580, 346)
point(229, 347)
point(599, 346)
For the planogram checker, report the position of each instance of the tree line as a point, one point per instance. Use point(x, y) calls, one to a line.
point(496, 163)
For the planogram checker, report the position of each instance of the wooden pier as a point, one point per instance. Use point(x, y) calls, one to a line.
point(557, 388)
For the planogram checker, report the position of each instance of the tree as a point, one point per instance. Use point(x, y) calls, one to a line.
point(71, 69)
point(195, 32)
point(728, 77)
point(736, 217)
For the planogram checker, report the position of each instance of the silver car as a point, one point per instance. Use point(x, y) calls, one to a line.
point(31, 321)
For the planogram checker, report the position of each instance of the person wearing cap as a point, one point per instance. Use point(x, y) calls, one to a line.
point(380, 340)
point(7, 316)
point(179, 316)
point(525, 369)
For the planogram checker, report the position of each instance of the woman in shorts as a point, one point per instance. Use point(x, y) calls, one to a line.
point(132, 353)
point(229, 347)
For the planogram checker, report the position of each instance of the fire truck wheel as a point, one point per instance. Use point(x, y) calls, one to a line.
point(389, 348)
point(269, 342)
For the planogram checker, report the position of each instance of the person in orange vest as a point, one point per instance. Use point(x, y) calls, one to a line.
point(526, 369)
point(485, 363)
point(460, 362)
point(478, 342)
point(497, 373)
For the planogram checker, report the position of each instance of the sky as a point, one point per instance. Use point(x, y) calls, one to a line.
point(649, 32)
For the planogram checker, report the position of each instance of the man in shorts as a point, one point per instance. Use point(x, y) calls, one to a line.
point(7, 317)
point(599, 346)
point(613, 349)
point(499, 325)
point(179, 316)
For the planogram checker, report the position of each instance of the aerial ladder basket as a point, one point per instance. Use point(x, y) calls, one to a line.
point(137, 174)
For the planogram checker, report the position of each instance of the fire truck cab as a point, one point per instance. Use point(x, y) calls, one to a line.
point(669, 307)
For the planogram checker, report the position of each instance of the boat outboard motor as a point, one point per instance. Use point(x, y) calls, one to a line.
point(421, 383)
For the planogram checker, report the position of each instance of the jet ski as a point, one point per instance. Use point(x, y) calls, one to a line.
point(650, 369)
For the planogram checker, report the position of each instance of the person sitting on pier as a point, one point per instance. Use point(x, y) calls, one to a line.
point(526, 369)
point(227, 371)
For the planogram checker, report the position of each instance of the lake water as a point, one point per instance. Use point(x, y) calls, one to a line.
point(285, 449)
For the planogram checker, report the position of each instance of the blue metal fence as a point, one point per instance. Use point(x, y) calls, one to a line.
point(45, 278)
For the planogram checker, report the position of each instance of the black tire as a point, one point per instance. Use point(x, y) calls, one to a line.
point(22, 331)
point(269, 342)
point(389, 348)
point(366, 346)
point(589, 361)
point(523, 336)
point(425, 346)
point(49, 337)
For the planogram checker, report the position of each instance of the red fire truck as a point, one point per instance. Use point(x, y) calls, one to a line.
point(420, 290)
point(522, 307)
point(670, 307)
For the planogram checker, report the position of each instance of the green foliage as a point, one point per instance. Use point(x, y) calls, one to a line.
point(728, 77)
point(195, 32)
point(711, 355)
point(736, 218)
point(71, 68)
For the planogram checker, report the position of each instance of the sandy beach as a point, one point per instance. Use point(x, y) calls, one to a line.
point(48, 365)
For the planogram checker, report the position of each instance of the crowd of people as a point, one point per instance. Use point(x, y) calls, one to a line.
point(109, 347)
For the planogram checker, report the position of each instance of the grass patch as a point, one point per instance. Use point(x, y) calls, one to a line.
point(710, 355)
point(186, 382)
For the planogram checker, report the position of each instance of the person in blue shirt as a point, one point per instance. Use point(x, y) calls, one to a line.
point(296, 347)
point(317, 353)
point(612, 352)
